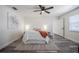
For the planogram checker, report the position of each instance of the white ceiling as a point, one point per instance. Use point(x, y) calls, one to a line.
point(56, 11)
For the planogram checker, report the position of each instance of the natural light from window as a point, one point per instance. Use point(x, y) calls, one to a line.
point(74, 23)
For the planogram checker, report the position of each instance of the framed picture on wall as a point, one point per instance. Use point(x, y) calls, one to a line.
point(12, 22)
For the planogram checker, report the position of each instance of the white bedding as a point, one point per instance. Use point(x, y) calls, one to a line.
point(34, 37)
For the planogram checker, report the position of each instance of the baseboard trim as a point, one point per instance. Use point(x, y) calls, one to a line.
point(59, 35)
point(7, 43)
point(68, 39)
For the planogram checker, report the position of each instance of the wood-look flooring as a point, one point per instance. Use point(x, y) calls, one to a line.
point(57, 44)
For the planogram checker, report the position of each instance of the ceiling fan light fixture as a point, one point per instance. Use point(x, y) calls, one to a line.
point(42, 11)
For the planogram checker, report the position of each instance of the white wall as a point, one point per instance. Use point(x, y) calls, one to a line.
point(74, 36)
point(55, 26)
point(39, 20)
point(7, 35)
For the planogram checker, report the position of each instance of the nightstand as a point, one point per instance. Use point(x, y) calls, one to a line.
point(50, 35)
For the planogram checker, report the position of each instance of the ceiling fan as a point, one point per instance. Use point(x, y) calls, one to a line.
point(43, 9)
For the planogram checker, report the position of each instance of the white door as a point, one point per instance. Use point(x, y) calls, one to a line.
point(61, 24)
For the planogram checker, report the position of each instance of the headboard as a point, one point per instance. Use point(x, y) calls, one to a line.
point(41, 27)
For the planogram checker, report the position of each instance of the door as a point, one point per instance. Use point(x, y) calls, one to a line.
point(61, 25)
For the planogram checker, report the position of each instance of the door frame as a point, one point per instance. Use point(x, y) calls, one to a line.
point(63, 27)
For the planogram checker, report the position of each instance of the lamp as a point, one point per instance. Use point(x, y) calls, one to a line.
point(27, 27)
point(45, 27)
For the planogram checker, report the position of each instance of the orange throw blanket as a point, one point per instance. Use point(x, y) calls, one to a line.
point(43, 33)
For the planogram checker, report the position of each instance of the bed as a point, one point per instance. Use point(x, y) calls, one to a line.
point(34, 37)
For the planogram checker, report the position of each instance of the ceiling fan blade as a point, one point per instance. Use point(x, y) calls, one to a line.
point(49, 8)
point(14, 8)
point(36, 10)
point(40, 12)
point(47, 12)
point(40, 6)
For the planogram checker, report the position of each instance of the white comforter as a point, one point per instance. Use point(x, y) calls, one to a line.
point(34, 37)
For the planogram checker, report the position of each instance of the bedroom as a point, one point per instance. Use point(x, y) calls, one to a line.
point(24, 30)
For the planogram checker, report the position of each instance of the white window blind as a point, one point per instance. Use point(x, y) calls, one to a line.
point(74, 23)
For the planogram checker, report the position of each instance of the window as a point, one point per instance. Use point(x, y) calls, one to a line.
point(74, 23)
